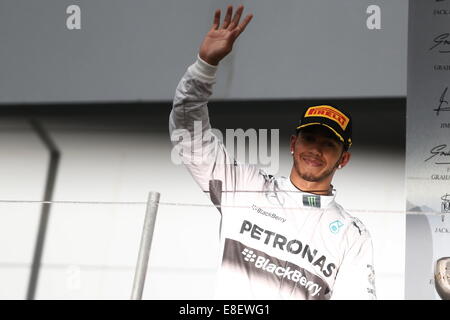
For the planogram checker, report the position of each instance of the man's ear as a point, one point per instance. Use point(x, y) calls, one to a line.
point(345, 158)
point(292, 142)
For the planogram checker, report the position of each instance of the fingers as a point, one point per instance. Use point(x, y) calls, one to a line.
point(216, 22)
point(227, 19)
point(236, 18)
point(244, 24)
point(231, 24)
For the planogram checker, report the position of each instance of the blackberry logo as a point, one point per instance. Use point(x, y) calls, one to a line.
point(283, 272)
point(249, 255)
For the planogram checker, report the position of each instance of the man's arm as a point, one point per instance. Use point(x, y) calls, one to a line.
point(201, 151)
point(356, 276)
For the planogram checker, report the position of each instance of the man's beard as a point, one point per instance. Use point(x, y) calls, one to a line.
point(312, 177)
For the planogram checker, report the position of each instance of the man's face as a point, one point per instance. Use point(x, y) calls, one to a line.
point(317, 153)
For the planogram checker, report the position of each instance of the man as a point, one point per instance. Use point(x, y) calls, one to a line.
point(282, 238)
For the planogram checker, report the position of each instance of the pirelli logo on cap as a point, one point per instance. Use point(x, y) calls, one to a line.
point(330, 113)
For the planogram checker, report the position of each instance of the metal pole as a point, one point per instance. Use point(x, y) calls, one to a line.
point(45, 211)
point(145, 246)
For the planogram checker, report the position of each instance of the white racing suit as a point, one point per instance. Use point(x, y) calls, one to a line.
point(277, 242)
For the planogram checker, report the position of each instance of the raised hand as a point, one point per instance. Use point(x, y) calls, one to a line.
point(219, 41)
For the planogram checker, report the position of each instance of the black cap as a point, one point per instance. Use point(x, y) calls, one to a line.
point(337, 121)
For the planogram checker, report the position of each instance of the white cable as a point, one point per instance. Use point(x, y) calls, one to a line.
point(210, 205)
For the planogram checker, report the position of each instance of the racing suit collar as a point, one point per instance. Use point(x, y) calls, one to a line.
point(302, 196)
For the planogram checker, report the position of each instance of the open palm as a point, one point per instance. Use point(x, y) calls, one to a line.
point(219, 41)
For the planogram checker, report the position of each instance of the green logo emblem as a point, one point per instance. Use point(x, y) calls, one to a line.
point(311, 201)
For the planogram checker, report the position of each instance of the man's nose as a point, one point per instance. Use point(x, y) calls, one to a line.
point(316, 148)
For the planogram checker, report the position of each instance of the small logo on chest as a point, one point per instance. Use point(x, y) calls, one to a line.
point(311, 201)
point(249, 255)
point(335, 226)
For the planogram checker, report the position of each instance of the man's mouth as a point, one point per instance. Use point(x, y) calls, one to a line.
point(312, 161)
